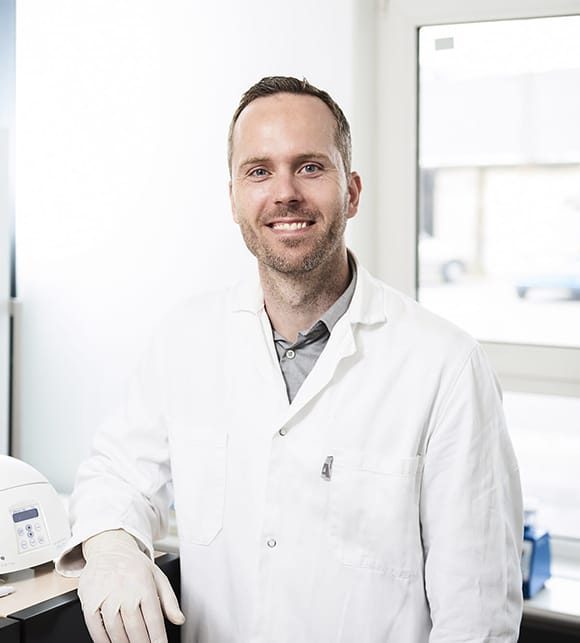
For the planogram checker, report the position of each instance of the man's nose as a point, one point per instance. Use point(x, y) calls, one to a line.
point(286, 189)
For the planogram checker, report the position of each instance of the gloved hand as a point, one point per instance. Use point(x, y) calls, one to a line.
point(122, 592)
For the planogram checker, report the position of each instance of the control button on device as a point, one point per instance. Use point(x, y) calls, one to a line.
point(271, 543)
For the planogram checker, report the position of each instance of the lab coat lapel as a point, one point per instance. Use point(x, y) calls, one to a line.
point(341, 344)
point(254, 340)
point(367, 307)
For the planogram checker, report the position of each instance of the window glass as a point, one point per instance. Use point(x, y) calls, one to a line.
point(499, 170)
point(545, 435)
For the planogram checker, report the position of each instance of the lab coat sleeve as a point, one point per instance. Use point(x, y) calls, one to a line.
point(471, 514)
point(126, 481)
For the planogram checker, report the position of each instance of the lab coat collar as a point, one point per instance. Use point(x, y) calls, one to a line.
point(367, 305)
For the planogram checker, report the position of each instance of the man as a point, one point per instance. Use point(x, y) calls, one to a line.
point(337, 455)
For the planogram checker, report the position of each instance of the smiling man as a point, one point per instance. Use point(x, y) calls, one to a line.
point(292, 196)
point(337, 456)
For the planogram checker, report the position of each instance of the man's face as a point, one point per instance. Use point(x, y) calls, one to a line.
point(288, 191)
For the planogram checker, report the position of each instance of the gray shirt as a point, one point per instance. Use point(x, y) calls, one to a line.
point(297, 359)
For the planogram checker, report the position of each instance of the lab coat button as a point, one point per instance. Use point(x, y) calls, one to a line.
point(283, 431)
point(290, 354)
point(271, 543)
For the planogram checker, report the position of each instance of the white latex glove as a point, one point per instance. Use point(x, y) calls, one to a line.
point(123, 593)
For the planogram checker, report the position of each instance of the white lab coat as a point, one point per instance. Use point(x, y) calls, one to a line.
point(415, 537)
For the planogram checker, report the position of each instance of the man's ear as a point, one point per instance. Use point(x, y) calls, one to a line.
point(354, 189)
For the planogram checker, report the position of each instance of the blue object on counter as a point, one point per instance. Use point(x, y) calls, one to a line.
point(535, 560)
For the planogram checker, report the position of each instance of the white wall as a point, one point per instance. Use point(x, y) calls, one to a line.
point(122, 209)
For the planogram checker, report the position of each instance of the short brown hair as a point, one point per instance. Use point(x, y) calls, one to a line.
point(288, 85)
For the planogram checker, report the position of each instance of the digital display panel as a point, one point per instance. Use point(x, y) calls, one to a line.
point(25, 515)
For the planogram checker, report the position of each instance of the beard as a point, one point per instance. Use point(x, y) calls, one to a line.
point(292, 261)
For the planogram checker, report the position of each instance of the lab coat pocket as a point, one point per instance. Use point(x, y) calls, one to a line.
point(199, 479)
point(374, 512)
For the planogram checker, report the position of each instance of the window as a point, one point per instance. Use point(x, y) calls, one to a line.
point(476, 169)
point(545, 435)
point(499, 191)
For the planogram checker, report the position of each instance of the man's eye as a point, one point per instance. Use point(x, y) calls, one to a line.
point(310, 168)
point(259, 172)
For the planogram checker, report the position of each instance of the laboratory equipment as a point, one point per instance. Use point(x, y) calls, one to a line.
point(34, 525)
point(536, 556)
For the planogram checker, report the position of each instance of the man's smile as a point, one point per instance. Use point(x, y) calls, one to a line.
point(289, 226)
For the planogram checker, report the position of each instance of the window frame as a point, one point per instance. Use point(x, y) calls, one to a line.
point(520, 367)
point(5, 301)
point(7, 127)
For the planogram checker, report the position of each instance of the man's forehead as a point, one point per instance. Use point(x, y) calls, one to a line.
point(295, 107)
point(264, 120)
